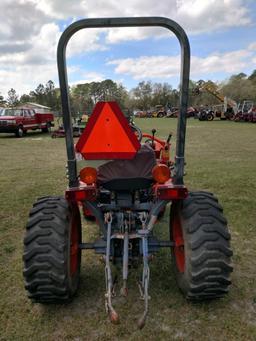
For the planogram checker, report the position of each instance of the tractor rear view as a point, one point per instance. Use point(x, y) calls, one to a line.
point(127, 195)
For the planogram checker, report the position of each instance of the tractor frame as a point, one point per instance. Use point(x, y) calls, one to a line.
point(199, 237)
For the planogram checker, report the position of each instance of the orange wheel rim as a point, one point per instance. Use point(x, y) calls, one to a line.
point(179, 252)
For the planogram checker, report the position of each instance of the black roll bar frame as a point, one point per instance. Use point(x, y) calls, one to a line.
point(184, 83)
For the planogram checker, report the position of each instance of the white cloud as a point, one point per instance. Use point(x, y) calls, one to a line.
point(20, 20)
point(29, 33)
point(147, 67)
point(85, 41)
point(24, 69)
point(44, 45)
point(61, 9)
point(230, 62)
point(25, 78)
point(205, 16)
point(163, 67)
point(87, 77)
point(117, 35)
point(195, 15)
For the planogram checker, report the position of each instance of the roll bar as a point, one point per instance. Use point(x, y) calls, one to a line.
point(184, 82)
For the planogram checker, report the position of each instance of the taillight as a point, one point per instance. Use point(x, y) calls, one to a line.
point(171, 193)
point(88, 175)
point(82, 193)
point(161, 173)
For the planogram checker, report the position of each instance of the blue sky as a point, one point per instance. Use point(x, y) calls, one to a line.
point(202, 46)
point(221, 33)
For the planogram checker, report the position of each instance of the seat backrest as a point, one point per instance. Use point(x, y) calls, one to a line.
point(137, 172)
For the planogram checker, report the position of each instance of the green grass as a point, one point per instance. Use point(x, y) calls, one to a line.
point(221, 158)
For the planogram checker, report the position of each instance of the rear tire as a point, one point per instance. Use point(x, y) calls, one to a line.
point(47, 129)
point(202, 116)
point(52, 256)
point(20, 132)
point(201, 254)
point(160, 114)
point(210, 117)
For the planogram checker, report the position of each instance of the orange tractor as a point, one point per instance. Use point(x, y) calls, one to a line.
point(127, 194)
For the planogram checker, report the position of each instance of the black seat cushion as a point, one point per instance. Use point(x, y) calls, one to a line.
point(127, 184)
point(129, 174)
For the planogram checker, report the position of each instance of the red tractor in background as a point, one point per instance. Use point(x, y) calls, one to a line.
point(126, 195)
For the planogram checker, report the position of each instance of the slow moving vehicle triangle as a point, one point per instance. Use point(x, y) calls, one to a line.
point(107, 135)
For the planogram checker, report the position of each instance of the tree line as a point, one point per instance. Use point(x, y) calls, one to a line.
point(145, 96)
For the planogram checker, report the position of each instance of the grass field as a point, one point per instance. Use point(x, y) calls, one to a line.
point(221, 158)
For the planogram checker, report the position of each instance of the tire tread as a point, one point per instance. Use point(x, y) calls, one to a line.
point(45, 251)
point(208, 238)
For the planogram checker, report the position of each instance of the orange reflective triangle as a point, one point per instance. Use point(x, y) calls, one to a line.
point(107, 135)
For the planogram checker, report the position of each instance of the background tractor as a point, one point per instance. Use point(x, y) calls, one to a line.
point(159, 111)
point(226, 111)
point(126, 194)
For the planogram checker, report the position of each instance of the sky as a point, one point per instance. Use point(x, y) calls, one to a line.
point(222, 35)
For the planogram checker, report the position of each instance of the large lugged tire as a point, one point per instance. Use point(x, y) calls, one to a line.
point(52, 256)
point(201, 252)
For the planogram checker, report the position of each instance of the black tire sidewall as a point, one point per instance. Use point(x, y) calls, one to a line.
point(210, 117)
point(50, 224)
point(20, 132)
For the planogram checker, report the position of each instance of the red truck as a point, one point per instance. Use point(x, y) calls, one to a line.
point(19, 121)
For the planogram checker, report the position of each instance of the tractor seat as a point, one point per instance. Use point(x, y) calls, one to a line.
point(127, 184)
point(125, 175)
